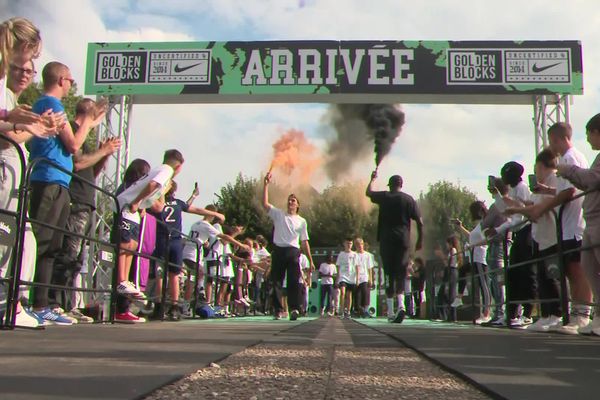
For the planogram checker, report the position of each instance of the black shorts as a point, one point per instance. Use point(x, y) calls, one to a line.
point(348, 286)
point(129, 231)
point(394, 258)
point(571, 247)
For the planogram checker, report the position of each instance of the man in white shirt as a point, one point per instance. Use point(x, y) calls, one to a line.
point(347, 279)
point(559, 137)
point(290, 234)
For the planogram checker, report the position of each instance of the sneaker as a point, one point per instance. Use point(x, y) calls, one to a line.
point(52, 318)
point(277, 316)
point(26, 320)
point(457, 302)
point(294, 315)
point(498, 322)
point(399, 317)
point(148, 308)
point(61, 312)
point(128, 289)
point(79, 316)
point(526, 320)
point(245, 302)
point(572, 328)
point(541, 325)
point(174, 313)
point(515, 323)
point(482, 320)
point(128, 318)
point(330, 314)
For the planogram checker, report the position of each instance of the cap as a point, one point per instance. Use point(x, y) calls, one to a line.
point(512, 169)
point(395, 181)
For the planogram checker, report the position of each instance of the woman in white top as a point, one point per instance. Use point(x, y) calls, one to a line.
point(478, 250)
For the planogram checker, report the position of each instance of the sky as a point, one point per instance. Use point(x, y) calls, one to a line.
point(462, 144)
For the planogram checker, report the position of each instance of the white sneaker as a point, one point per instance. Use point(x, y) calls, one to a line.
point(572, 328)
point(457, 302)
point(128, 289)
point(544, 324)
point(482, 320)
point(25, 320)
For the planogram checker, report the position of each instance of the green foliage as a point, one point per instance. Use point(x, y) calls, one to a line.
point(240, 202)
point(439, 205)
point(340, 212)
point(31, 94)
point(34, 91)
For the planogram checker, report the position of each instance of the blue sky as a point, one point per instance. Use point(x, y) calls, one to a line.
point(459, 143)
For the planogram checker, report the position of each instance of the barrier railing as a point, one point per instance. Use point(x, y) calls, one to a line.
point(16, 263)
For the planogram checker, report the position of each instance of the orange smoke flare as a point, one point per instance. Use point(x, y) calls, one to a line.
point(295, 157)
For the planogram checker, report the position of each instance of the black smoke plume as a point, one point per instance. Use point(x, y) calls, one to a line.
point(358, 127)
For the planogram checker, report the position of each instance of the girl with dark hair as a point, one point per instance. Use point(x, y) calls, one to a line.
point(478, 249)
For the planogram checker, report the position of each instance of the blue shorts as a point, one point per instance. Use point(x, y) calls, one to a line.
point(175, 254)
point(129, 231)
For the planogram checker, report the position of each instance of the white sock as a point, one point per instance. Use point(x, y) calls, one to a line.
point(401, 302)
point(390, 306)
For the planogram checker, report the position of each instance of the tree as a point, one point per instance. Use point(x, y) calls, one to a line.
point(240, 202)
point(340, 212)
point(439, 205)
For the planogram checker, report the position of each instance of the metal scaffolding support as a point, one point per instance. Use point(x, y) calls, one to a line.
point(547, 110)
point(116, 124)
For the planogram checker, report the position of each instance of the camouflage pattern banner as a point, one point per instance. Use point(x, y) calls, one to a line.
point(315, 70)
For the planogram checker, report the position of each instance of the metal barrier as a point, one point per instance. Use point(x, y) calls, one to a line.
point(559, 255)
point(22, 218)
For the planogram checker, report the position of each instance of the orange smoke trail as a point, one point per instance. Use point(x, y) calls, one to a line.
point(295, 157)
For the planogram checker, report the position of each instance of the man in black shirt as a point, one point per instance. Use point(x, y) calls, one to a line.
point(396, 210)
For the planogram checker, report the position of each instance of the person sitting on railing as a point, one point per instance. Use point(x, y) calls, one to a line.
point(543, 232)
point(146, 192)
point(50, 198)
point(521, 280)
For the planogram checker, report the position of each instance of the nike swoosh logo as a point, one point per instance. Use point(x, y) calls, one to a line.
point(535, 68)
point(181, 69)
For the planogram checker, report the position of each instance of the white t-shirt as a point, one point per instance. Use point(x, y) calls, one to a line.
point(215, 246)
point(161, 175)
point(543, 231)
point(304, 267)
point(327, 269)
point(346, 264)
point(364, 265)
point(477, 236)
point(289, 230)
point(227, 267)
point(200, 231)
point(573, 223)
point(521, 193)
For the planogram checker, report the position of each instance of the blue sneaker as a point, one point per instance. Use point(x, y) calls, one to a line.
point(51, 318)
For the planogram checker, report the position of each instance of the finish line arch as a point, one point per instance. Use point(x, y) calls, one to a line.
point(542, 74)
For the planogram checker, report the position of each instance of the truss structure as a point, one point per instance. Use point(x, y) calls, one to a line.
point(547, 110)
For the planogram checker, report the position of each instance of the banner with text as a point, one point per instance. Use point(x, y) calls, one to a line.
point(335, 67)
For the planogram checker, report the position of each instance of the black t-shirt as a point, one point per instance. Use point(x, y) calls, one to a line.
point(82, 193)
point(396, 209)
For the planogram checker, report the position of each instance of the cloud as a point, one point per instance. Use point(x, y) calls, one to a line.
point(459, 143)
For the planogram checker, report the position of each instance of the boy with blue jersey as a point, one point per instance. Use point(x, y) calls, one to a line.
point(169, 243)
